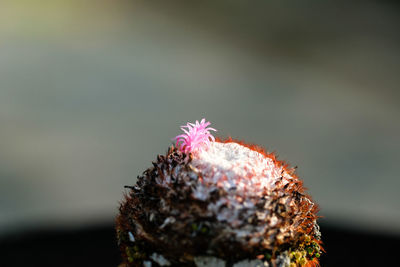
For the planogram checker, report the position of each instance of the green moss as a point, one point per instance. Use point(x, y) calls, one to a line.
point(302, 261)
point(129, 253)
point(134, 254)
point(199, 229)
point(315, 245)
point(296, 255)
point(306, 250)
point(268, 256)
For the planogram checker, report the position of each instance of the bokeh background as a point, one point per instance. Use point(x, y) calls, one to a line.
point(92, 91)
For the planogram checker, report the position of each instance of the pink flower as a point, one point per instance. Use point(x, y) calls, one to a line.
point(195, 136)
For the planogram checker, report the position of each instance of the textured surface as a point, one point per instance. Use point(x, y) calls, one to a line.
point(243, 205)
point(235, 167)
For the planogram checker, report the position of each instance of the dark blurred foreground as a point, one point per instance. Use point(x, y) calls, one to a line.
point(96, 246)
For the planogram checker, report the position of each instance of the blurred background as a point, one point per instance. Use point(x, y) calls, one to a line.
point(92, 91)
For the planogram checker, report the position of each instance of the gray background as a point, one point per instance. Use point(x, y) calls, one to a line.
point(91, 91)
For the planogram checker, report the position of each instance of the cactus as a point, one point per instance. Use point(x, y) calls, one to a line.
point(217, 203)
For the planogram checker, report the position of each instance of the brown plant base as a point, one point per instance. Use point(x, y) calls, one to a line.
point(162, 224)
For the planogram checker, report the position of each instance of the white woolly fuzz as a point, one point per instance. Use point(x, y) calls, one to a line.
point(236, 167)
